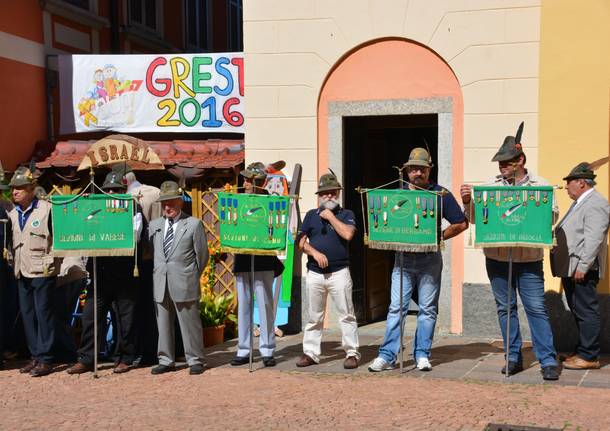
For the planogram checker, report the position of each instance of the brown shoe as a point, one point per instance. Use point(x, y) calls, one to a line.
point(41, 370)
point(577, 363)
point(563, 358)
point(29, 367)
point(121, 368)
point(305, 361)
point(79, 368)
point(350, 363)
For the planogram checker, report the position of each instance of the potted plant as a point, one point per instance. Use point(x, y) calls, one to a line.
point(214, 308)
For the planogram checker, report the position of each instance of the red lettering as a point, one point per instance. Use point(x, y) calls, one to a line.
point(239, 62)
point(165, 82)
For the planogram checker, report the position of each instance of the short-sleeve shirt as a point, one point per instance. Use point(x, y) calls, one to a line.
point(452, 212)
point(323, 237)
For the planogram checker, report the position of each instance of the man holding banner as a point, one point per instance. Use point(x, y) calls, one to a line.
point(420, 271)
point(36, 270)
point(266, 268)
point(117, 287)
point(580, 260)
point(527, 274)
point(326, 232)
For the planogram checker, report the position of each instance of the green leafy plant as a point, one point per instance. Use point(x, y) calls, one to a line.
point(215, 308)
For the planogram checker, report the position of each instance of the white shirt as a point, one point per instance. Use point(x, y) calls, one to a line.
point(581, 197)
point(174, 226)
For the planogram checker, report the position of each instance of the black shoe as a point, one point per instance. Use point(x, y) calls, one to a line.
point(269, 361)
point(196, 369)
point(160, 369)
point(513, 368)
point(240, 360)
point(550, 372)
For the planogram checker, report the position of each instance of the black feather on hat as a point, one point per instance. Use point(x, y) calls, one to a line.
point(511, 147)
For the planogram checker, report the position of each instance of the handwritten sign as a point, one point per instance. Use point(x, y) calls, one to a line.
point(158, 93)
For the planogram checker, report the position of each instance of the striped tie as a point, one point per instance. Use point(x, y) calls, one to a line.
point(169, 237)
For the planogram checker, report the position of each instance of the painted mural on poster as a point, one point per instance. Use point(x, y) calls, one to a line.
point(153, 93)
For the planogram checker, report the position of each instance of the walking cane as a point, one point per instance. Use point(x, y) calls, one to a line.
point(251, 310)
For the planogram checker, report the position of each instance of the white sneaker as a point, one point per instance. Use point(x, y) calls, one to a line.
point(423, 364)
point(380, 364)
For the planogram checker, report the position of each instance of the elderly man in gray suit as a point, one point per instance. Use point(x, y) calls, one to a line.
point(580, 260)
point(180, 255)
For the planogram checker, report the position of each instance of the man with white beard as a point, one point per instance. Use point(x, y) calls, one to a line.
point(325, 234)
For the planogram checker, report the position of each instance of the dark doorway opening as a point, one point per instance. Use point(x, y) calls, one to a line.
point(371, 147)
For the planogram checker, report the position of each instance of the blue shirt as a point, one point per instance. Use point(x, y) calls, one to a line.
point(323, 237)
point(452, 212)
point(24, 215)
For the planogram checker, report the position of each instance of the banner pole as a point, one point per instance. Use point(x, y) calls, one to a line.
point(251, 310)
point(95, 310)
point(95, 328)
point(402, 314)
point(401, 263)
point(510, 285)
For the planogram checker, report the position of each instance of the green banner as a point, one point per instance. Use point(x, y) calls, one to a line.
point(402, 220)
point(93, 225)
point(253, 224)
point(513, 216)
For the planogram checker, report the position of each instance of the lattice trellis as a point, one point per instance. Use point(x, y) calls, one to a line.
point(205, 207)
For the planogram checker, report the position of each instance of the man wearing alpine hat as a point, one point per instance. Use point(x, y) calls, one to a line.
point(580, 260)
point(325, 234)
point(36, 272)
point(527, 278)
point(266, 268)
point(421, 273)
point(180, 256)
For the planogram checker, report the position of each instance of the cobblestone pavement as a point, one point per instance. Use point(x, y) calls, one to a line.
point(464, 391)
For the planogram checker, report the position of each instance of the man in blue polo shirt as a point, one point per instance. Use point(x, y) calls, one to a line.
point(421, 271)
point(325, 234)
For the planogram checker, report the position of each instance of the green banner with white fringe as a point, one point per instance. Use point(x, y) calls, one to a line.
point(513, 216)
point(253, 224)
point(402, 220)
point(93, 225)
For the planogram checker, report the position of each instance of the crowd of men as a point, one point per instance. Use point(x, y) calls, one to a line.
point(173, 253)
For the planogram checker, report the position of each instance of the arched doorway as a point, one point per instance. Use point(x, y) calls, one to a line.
point(379, 101)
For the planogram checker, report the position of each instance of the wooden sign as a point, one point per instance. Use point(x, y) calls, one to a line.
point(120, 148)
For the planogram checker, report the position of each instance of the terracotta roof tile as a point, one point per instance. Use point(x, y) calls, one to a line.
point(204, 154)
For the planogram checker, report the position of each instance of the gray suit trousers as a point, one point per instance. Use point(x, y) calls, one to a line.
point(190, 328)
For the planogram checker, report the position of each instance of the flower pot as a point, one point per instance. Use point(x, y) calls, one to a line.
point(213, 335)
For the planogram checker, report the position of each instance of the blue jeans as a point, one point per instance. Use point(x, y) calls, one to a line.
point(423, 272)
point(528, 280)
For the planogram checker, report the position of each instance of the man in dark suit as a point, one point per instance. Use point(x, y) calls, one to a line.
point(180, 255)
point(117, 287)
point(580, 260)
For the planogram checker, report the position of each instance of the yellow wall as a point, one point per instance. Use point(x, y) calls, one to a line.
point(574, 94)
